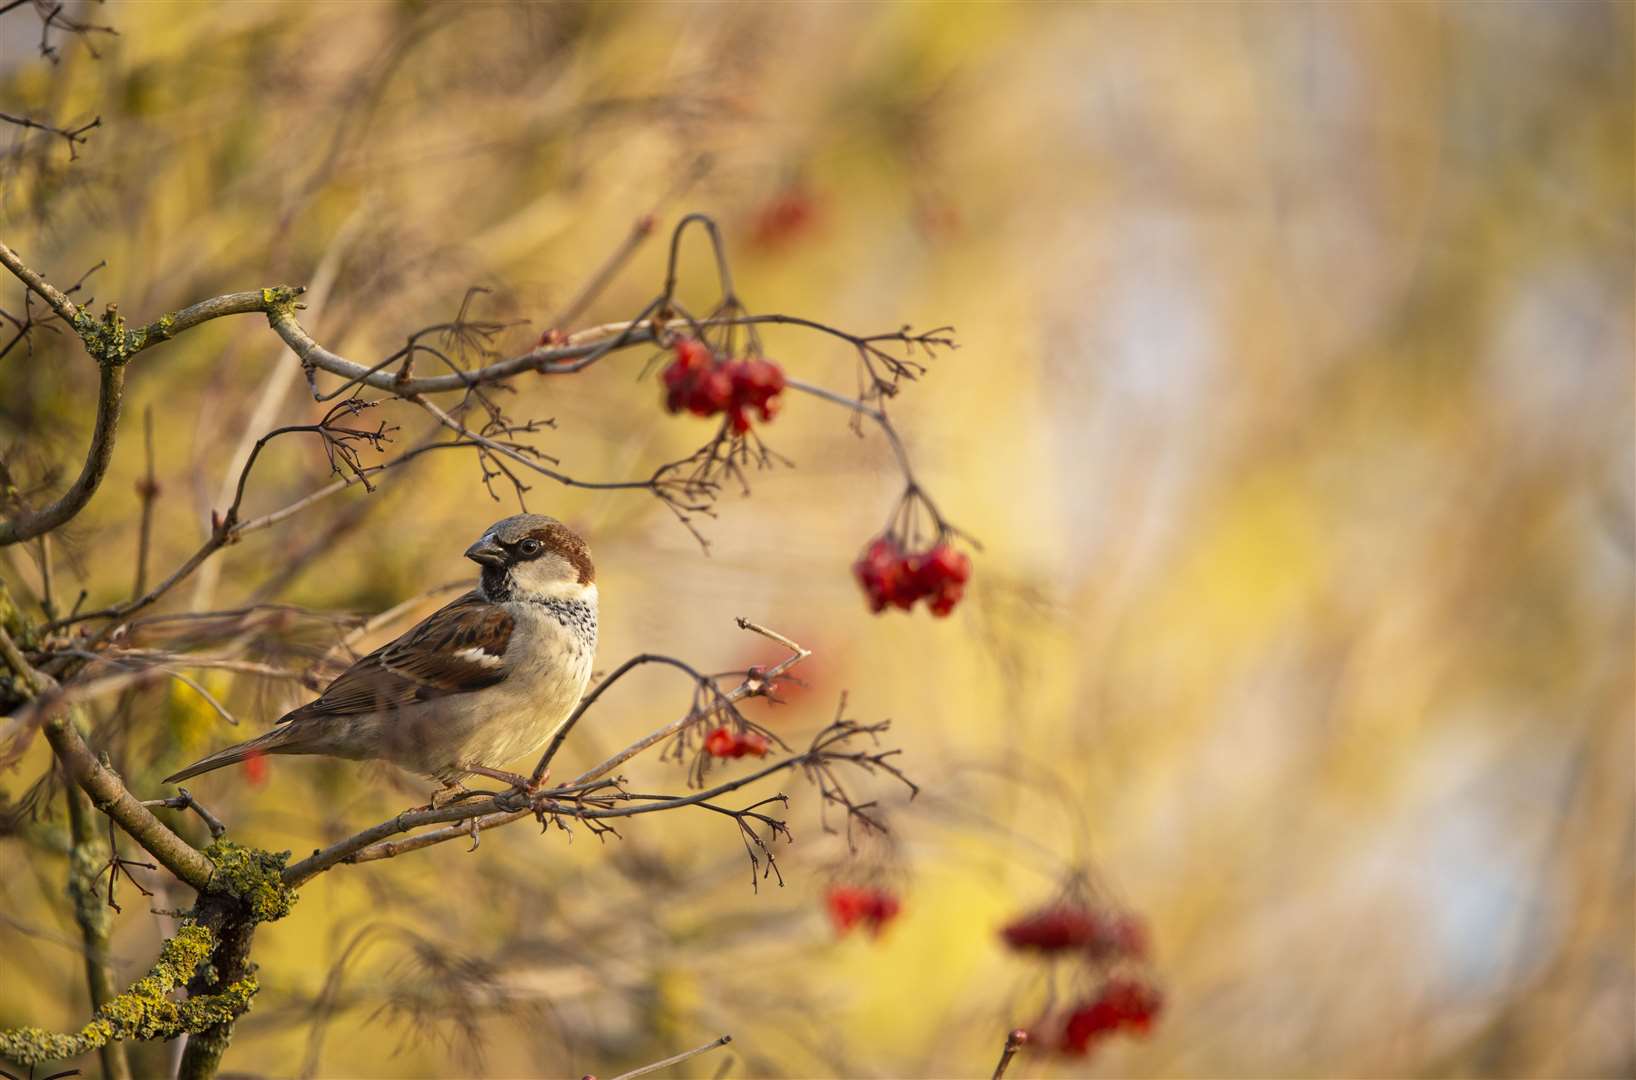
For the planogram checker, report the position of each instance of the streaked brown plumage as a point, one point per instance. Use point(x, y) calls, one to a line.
point(480, 681)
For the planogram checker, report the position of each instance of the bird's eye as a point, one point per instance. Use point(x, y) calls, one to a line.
point(529, 548)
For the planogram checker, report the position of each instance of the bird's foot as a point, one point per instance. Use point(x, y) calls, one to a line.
point(445, 796)
point(521, 785)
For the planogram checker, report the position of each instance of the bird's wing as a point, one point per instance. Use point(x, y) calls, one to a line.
point(457, 649)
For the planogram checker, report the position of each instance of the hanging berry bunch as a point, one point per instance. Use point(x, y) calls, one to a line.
point(1106, 947)
point(871, 906)
point(728, 742)
point(865, 888)
point(1119, 1005)
point(718, 731)
point(1066, 928)
point(914, 559)
point(701, 382)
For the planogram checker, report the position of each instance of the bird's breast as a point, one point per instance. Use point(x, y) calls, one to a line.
point(550, 661)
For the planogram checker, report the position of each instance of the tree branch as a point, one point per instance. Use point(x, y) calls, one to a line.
point(87, 857)
point(107, 793)
point(480, 814)
point(26, 524)
point(75, 136)
point(65, 308)
point(111, 797)
point(113, 346)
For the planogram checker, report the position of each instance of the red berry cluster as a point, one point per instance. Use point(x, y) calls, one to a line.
point(1121, 1003)
point(892, 576)
point(1060, 928)
point(725, 742)
point(705, 384)
point(852, 904)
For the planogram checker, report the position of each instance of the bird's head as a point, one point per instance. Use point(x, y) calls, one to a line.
point(533, 557)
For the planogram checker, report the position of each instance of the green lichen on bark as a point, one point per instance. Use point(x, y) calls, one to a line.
point(145, 1011)
point(253, 877)
point(110, 342)
point(279, 298)
point(106, 338)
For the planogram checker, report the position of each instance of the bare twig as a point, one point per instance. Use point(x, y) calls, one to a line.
point(677, 1060)
point(594, 801)
point(1013, 1042)
point(640, 231)
point(730, 697)
point(106, 791)
point(74, 136)
point(147, 489)
point(184, 800)
point(591, 698)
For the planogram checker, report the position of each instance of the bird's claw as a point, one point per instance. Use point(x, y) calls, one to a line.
point(520, 785)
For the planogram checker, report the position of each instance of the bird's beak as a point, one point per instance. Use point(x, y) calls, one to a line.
point(487, 552)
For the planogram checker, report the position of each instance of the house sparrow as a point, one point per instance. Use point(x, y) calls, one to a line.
point(488, 678)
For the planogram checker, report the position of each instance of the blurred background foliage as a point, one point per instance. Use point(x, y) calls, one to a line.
point(1293, 410)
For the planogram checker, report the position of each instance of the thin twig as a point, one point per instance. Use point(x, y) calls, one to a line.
point(147, 489)
point(75, 136)
point(677, 1060)
point(184, 800)
point(1013, 1043)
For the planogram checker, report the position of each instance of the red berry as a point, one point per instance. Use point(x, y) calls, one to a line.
point(943, 563)
point(692, 353)
point(878, 570)
point(710, 393)
point(751, 742)
point(784, 217)
point(720, 743)
point(255, 768)
point(883, 908)
point(847, 904)
point(944, 601)
point(1053, 929)
point(1121, 1003)
point(852, 904)
point(756, 384)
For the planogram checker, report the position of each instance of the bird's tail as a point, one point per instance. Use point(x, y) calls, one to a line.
point(276, 741)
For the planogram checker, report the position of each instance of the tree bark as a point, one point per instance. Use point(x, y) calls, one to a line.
point(235, 930)
point(87, 857)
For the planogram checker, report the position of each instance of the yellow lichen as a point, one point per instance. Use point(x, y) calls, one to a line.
point(145, 1011)
point(254, 877)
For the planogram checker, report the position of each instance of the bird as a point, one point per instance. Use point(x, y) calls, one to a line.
point(489, 677)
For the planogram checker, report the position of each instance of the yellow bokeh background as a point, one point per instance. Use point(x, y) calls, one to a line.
point(1292, 409)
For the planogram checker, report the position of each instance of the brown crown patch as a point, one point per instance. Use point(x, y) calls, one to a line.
point(559, 538)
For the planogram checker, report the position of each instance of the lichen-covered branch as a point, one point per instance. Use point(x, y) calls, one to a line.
point(112, 346)
point(112, 798)
point(145, 1011)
